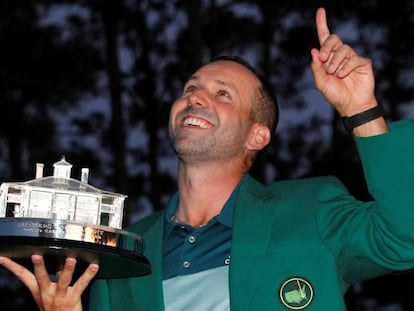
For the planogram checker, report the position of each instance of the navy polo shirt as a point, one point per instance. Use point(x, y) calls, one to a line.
point(188, 249)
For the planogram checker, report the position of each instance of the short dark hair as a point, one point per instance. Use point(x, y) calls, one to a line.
point(265, 108)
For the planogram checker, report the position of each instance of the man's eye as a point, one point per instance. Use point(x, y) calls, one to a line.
point(189, 89)
point(223, 93)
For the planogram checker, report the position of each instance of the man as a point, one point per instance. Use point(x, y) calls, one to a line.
point(227, 242)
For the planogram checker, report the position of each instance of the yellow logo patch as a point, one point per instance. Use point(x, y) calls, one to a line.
point(296, 293)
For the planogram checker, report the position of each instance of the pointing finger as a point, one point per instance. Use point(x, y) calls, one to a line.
point(329, 42)
point(322, 25)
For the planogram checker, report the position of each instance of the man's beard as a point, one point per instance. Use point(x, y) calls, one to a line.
point(221, 146)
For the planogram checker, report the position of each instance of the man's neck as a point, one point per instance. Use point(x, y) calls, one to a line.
point(203, 191)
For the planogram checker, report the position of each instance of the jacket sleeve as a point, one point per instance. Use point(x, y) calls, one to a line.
point(376, 237)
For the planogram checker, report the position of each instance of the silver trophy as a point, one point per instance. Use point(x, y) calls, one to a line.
point(58, 216)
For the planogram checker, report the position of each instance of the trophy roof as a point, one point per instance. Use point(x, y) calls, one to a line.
point(68, 184)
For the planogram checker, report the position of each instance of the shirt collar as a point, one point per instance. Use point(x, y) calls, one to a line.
point(225, 217)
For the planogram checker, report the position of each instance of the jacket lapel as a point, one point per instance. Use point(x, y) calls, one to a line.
point(251, 229)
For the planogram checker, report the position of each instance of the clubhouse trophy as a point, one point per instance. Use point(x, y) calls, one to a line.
point(58, 216)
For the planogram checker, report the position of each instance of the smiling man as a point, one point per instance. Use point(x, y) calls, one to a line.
point(214, 115)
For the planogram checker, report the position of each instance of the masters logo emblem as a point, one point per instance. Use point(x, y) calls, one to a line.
point(296, 293)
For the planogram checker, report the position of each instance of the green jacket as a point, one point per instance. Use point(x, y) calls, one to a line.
point(300, 244)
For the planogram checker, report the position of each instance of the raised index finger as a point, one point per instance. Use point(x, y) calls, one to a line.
point(322, 25)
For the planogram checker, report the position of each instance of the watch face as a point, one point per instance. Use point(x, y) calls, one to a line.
point(296, 293)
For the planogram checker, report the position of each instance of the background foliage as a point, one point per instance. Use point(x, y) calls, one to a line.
point(94, 80)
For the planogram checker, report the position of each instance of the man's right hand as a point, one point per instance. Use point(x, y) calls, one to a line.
point(49, 295)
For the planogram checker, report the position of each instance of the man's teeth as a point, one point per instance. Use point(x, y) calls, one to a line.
point(195, 122)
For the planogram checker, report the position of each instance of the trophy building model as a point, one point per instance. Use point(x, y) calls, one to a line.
point(59, 216)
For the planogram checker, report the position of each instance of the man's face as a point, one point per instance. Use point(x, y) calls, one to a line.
point(211, 120)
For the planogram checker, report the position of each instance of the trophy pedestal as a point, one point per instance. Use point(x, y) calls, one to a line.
point(119, 253)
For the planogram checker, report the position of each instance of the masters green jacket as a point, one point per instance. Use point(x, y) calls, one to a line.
point(299, 244)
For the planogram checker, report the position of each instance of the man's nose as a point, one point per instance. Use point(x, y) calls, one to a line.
point(199, 98)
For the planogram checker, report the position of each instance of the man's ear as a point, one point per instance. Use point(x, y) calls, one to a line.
point(259, 137)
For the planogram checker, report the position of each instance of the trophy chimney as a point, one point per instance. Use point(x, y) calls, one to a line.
point(39, 170)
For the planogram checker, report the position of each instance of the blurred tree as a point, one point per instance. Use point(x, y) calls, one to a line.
point(40, 69)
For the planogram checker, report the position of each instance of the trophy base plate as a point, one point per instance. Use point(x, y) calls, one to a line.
point(119, 253)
